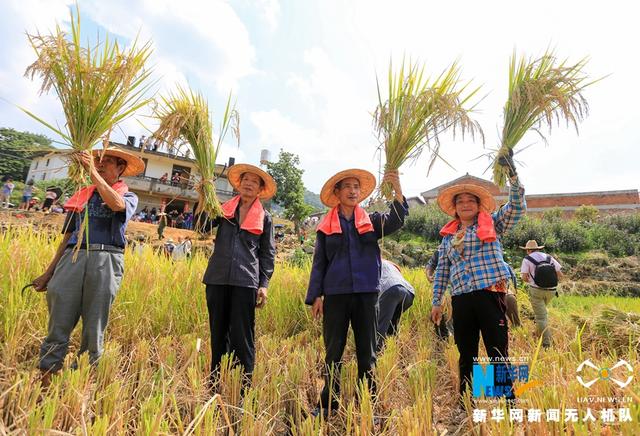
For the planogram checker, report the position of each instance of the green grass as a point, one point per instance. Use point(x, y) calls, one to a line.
point(589, 305)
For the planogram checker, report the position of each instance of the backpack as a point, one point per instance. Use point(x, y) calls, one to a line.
point(545, 275)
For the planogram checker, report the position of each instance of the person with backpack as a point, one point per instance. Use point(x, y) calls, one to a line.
point(540, 272)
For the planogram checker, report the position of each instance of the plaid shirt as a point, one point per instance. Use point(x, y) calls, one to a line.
point(483, 264)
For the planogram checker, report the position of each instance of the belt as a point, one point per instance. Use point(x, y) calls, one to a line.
point(101, 247)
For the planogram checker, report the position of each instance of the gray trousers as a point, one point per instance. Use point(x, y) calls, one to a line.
point(82, 289)
point(392, 302)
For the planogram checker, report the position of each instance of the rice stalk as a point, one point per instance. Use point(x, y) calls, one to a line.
point(541, 91)
point(98, 86)
point(184, 118)
point(612, 328)
point(417, 110)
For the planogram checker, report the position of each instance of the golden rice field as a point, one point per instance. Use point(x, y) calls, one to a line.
point(151, 379)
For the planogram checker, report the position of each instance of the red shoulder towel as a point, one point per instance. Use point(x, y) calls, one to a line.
point(253, 222)
point(330, 224)
point(486, 231)
point(79, 200)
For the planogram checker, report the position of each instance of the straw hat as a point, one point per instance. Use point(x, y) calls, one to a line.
point(135, 165)
point(532, 245)
point(236, 171)
point(367, 185)
point(446, 196)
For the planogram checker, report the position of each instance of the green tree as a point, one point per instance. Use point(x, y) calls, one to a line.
point(290, 195)
point(17, 149)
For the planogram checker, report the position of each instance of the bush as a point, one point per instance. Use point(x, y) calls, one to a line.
point(613, 240)
point(627, 223)
point(426, 221)
point(300, 259)
point(570, 236)
point(526, 229)
point(553, 215)
point(586, 214)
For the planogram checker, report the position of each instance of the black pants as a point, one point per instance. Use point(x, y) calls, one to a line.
point(338, 310)
point(232, 314)
point(473, 313)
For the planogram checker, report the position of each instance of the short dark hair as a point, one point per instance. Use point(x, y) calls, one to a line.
point(262, 184)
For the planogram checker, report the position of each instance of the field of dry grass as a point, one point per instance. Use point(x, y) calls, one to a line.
point(151, 377)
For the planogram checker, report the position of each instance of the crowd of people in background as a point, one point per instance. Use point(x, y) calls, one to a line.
point(153, 144)
point(52, 202)
point(176, 219)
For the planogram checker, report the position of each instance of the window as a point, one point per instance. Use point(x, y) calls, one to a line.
point(180, 176)
point(44, 176)
point(47, 164)
point(36, 167)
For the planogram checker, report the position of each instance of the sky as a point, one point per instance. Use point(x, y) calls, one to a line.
point(303, 76)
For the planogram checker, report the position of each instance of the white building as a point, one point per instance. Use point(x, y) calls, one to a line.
point(148, 186)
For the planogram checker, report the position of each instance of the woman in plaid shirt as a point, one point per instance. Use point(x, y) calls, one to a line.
point(471, 260)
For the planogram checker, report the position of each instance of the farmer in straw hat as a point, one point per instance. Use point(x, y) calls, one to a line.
point(86, 287)
point(540, 272)
point(240, 268)
point(471, 260)
point(345, 276)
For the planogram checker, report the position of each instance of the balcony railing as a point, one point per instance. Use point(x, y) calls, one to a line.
point(170, 189)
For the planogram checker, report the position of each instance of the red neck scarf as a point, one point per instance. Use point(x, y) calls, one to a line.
point(79, 200)
point(486, 231)
point(253, 222)
point(330, 224)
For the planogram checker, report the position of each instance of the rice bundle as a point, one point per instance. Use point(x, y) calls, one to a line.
point(540, 91)
point(98, 86)
point(612, 329)
point(184, 118)
point(417, 111)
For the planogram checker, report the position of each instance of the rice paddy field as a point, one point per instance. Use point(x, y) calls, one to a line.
point(151, 378)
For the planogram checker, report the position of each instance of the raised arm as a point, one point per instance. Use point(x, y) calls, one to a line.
point(511, 212)
point(387, 223)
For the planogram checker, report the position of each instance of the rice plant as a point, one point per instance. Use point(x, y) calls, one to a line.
point(98, 86)
point(185, 118)
point(417, 110)
point(542, 91)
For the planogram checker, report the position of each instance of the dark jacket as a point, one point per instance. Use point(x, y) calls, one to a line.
point(241, 258)
point(349, 262)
